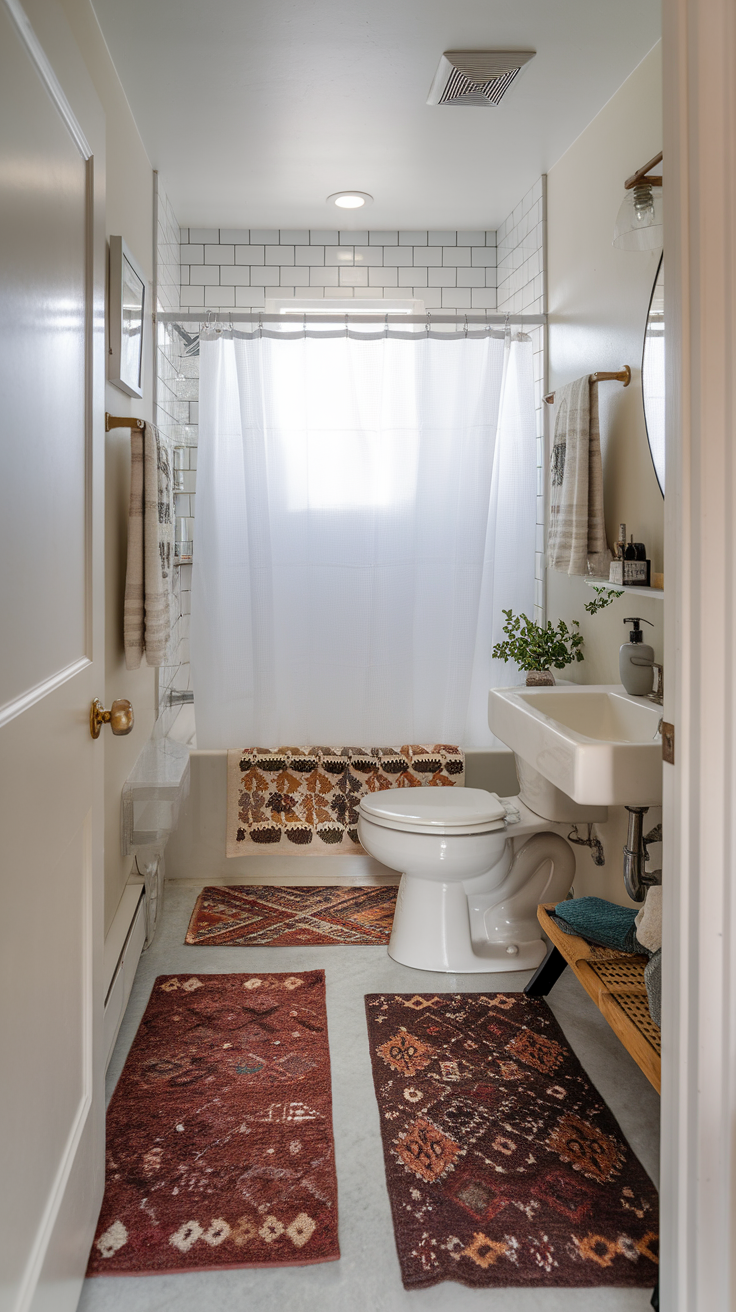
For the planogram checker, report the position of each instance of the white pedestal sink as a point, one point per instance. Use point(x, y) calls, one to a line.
point(593, 742)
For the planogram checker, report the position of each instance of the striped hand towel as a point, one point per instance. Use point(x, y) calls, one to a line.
point(149, 580)
point(576, 542)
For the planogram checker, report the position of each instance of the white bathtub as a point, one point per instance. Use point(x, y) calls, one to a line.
point(196, 850)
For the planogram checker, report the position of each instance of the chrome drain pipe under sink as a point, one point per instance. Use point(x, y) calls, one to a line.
point(637, 878)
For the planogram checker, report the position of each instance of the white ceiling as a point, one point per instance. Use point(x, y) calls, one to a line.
point(254, 111)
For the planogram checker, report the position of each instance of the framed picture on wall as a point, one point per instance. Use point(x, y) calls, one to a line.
point(127, 307)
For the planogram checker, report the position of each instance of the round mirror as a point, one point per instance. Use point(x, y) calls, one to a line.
point(652, 375)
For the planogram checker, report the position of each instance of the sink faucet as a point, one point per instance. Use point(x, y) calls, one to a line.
point(175, 697)
point(658, 694)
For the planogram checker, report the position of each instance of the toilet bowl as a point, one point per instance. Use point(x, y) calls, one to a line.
point(474, 868)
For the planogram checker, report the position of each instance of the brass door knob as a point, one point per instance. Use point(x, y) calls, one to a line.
point(119, 717)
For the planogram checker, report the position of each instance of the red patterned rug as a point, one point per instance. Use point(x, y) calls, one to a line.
point(503, 1164)
point(282, 917)
point(220, 1151)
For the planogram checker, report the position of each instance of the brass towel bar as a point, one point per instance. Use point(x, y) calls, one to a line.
point(620, 376)
point(122, 421)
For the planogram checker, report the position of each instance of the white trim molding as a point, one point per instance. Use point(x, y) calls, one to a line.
point(27, 699)
point(38, 55)
point(698, 1194)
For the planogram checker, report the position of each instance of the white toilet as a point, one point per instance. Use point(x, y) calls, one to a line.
point(472, 876)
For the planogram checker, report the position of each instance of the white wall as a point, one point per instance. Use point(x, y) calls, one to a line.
point(597, 302)
point(129, 210)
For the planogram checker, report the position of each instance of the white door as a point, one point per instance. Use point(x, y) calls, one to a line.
point(698, 1184)
point(51, 434)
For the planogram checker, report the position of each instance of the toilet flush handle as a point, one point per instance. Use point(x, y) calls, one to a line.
point(120, 717)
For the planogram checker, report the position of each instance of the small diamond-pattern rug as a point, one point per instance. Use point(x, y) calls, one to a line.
point(277, 917)
point(219, 1134)
point(503, 1164)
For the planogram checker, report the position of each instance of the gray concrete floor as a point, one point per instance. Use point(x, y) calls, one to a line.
point(367, 1277)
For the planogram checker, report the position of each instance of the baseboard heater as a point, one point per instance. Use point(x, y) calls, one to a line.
point(123, 947)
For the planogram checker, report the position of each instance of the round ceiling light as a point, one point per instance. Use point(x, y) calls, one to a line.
point(350, 200)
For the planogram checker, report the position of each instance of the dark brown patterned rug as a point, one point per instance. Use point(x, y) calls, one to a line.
point(280, 917)
point(219, 1134)
point(503, 1164)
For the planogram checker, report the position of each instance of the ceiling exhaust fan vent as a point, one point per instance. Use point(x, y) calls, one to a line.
point(476, 77)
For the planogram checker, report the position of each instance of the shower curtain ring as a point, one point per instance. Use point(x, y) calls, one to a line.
point(429, 321)
point(260, 327)
point(346, 327)
point(466, 325)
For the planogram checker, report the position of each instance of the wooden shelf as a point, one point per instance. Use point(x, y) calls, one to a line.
point(655, 594)
point(615, 982)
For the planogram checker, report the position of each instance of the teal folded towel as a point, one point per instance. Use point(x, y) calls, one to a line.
point(601, 922)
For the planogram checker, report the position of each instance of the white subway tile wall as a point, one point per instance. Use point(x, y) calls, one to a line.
point(177, 381)
point(240, 268)
point(168, 277)
point(520, 254)
point(522, 289)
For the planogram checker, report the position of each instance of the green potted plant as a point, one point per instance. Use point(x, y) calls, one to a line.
point(538, 648)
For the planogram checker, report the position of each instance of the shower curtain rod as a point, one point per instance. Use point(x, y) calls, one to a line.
point(224, 318)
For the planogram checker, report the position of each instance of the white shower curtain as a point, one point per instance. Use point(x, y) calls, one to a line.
point(365, 507)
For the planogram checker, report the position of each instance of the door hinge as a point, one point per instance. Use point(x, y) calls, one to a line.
point(668, 742)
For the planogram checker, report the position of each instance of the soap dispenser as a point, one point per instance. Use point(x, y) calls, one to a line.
point(636, 661)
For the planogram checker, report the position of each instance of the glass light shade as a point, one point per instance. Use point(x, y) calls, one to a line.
point(639, 220)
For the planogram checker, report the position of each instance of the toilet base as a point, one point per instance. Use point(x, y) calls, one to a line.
point(431, 931)
point(491, 959)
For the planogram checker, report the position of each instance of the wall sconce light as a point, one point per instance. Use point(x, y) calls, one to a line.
point(639, 219)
